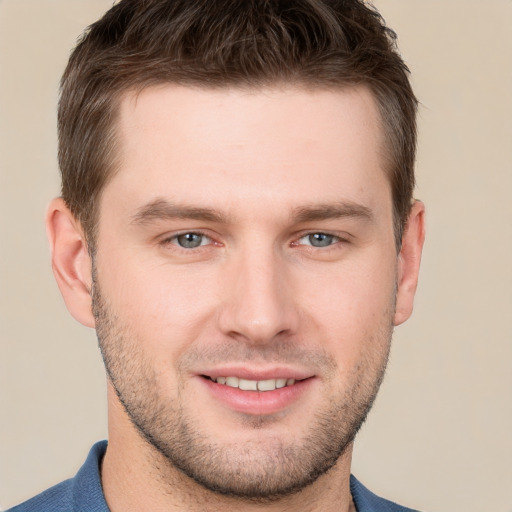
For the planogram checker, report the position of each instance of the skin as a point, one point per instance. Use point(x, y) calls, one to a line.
point(272, 167)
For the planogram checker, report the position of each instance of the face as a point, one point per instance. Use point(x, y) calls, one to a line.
point(245, 279)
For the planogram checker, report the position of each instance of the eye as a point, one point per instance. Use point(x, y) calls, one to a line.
point(319, 239)
point(190, 240)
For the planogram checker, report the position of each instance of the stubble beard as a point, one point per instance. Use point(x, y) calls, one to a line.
point(255, 471)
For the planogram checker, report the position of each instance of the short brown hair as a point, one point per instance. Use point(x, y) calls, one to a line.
point(220, 43)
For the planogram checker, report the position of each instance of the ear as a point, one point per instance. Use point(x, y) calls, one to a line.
point(71, 262)
point(409, 262)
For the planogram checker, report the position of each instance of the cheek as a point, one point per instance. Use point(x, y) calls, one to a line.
point(353, 307)
point(355, 291)
point(161, 304)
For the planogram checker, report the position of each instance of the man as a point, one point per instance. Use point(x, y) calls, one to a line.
point(237, 224)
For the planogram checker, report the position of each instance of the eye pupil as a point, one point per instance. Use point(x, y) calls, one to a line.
point(320, 239)
point(189, 240)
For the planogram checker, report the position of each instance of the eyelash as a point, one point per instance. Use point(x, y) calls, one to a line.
point(335, 240)
point(173, 240)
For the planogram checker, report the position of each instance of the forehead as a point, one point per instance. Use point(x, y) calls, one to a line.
point(286, 144)
point(239, 114)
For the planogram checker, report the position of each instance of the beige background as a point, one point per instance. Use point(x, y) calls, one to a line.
point(439, 437)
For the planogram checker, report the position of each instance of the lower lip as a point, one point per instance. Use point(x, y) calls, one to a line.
point(258, 402)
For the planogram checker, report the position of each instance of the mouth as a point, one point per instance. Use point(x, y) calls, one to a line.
point(253, 385)
point(259, 392)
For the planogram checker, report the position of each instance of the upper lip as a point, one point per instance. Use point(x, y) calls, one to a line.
point(257, 373)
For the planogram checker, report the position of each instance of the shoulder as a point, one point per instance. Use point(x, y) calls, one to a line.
point(57, 499)
point(367, 501)
point(83, 492)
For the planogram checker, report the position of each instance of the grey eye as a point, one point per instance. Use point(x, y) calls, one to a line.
point(318, 239)
point(191, 240)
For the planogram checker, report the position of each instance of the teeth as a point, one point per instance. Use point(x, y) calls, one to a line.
point(280, 383)
point(255, 385)
point(267, 385)
point(232, 382)
point(248, 385)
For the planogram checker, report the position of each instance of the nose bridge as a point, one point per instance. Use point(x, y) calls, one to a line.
point(258, 303)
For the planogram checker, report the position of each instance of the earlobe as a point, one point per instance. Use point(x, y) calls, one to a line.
point(409, 262)
point(71, 262)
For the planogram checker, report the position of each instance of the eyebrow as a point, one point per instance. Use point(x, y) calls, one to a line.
point(343, 209)
point(160, 209)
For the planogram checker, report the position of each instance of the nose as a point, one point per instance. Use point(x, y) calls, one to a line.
point(259, 304)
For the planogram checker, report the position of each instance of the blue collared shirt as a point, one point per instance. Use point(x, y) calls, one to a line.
point(83, 493)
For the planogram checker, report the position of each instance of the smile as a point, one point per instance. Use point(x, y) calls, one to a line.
point(255, 392)
point(254, 385)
